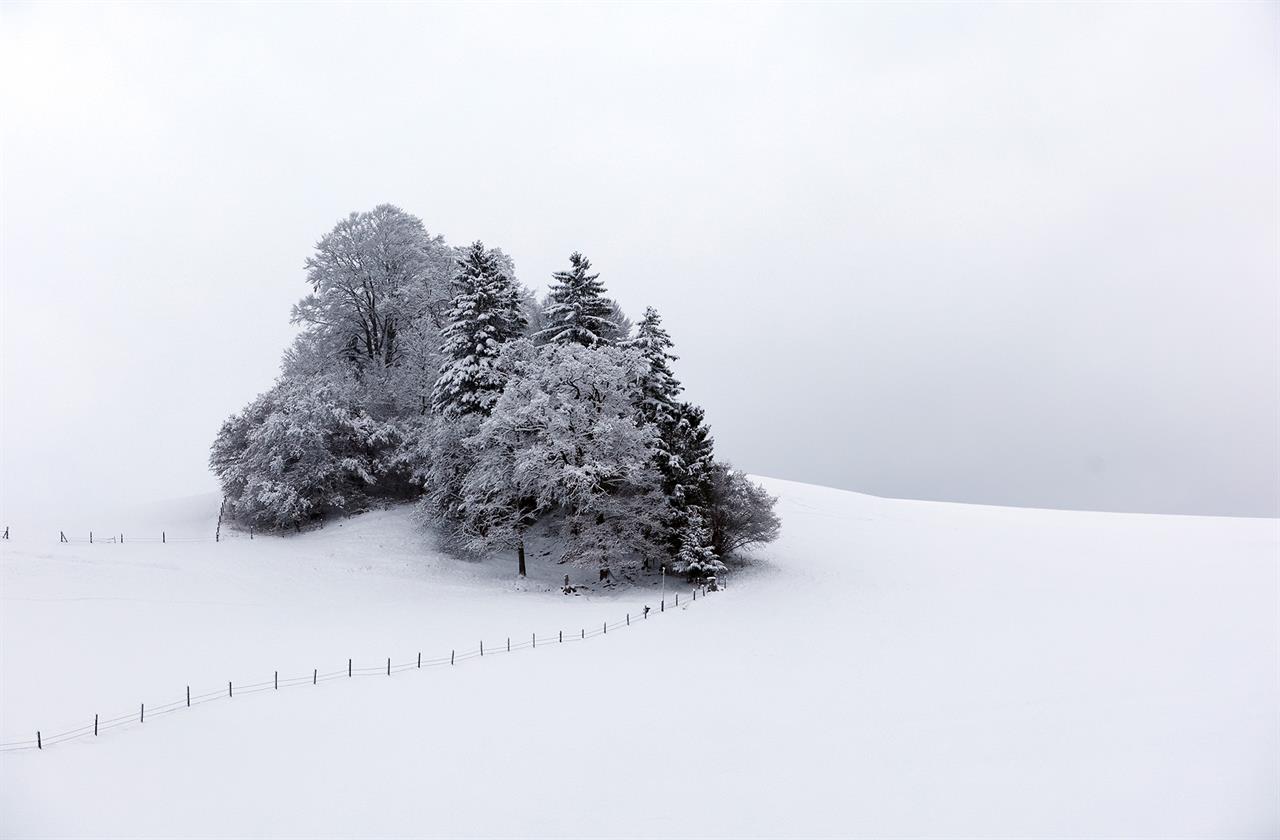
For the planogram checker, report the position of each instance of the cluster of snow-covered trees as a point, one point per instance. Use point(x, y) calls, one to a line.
point(427, 371)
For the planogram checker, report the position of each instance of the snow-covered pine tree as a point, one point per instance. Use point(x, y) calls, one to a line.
point(696, 557)
point(658, 387)
point(487, 311)
point(577, 310)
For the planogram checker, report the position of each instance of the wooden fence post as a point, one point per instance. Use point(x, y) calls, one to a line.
point(628, 619)
point(451, 653)
point(91, 538)
point(188, 697)
point(276, 679)
point(535, 639)
point(229, 694)
point(314, 674)
point(142, 712)
point(39, 744)
point(162, 538)
point(95, 726)
point(348, 667)
point(419, 659)
point(388, 666)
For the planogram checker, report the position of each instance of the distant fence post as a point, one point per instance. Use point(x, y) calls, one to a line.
point(39, 743)
point(451, 653)
point(388, 666)
point(95, 726)
point(91, 538)
point(62, 537)
point(315, 673)
point(188, 697)
point(276, 679)
point(142, 712)
point(229, 694)
point(162, 538)
point(348, 667)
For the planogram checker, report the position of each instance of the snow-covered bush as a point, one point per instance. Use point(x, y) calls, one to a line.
point(301, 449)
point(740, 512)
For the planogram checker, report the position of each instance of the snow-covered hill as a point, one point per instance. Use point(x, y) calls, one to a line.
point(888, 668)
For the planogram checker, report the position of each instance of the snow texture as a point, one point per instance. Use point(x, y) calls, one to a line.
point(887, 668)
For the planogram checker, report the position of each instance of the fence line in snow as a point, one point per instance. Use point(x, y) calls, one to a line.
point(389, 668)
point(116, 537)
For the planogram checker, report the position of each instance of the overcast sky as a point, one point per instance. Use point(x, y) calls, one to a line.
point(1010, 254)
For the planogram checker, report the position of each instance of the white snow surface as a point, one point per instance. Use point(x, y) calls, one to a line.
point(887, 668)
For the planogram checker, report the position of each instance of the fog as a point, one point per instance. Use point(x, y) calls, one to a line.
point(1007, 254)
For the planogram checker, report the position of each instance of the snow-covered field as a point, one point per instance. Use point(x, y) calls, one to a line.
point(888, 668)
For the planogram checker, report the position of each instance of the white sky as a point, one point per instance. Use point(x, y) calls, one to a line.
point(1017, 254)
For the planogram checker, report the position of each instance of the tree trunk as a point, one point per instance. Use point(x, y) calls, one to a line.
point(520, 549)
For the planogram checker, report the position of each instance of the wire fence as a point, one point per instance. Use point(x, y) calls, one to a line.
point(351, 671)
point(118, 537)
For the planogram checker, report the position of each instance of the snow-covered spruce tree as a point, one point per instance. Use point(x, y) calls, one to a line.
point(577, 311)
point(684, 453)
point(563, 437)
point(696, 558)
point(301, 449)
point(487, 311)
point(658, 386)
point(739, 512)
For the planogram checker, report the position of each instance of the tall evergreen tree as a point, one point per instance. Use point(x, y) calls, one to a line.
point(690, 471)
point(578, 311)
point(487, 311)
point(658, 387)
point(684, 449)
